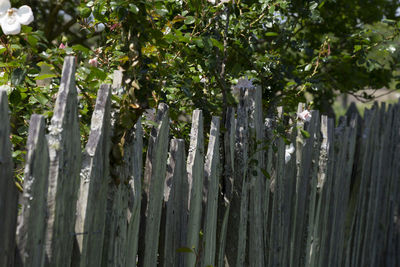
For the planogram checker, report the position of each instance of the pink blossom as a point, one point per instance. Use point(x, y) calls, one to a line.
point(114, 26)
point(304, 116)
point(62, 46)
point(93, 61)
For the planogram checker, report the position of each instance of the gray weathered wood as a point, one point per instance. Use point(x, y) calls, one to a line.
point(240, 216)
point(256, 178)
point(8, 190)
point(116, 232)
point(323, 188)
point(135, 185)
point(314, 131)
point(176, 193)
point(91, 204)
point(65, 163)
point(225, 199)
point(212, 175)
point(303, 162)
point(155, 171)
point(195, 170)
point(31, 228)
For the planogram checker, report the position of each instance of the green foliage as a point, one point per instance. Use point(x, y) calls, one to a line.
point(191, 53)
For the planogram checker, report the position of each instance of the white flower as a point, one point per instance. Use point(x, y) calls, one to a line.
point(4, 6)
point(244, 83)
point(304, 116)
point(219, 2)
point(12, 18)
point(288, 152)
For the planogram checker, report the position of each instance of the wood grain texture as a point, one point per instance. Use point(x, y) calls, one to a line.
point(212, 176)
point(195, 170)
point(65, 164)
point(91, 204)
point(31, 228)
point(8, 190)
point(156, 164)
point(135, 162)
point(176, 192)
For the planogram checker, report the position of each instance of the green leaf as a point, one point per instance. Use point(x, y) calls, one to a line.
point(96, 73)
point(266, 174)
point(189, 20)
point(217, 43)
point(313, 5)
point(305, 134)
point(308, 67)
point(85, 12)
point(81, 48)
point(18, 76)
point(133, 8)
point(185, 250)
point(271, 34)
point(45, 76)
point(15, 97)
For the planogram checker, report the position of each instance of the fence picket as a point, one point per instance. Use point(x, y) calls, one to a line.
point(155, 178)
point(195, 170)
point(8, 191)
point(31, 228)
point(225, 200)
point(176, 197)
point(135, 162)
point(240, 181)
point(65, 163)
point(91, 204)
point(211, 174)
point(334, 202)
point(256, 178)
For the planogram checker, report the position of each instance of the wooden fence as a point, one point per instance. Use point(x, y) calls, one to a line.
point(335, 202)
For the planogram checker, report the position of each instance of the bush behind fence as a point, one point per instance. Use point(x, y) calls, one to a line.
point(334, 202)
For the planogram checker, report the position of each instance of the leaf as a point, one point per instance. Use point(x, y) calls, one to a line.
point(15, 97)
point(85, 12)
point(266, 174)
point(45, 76)
point(308, 67)
point(217, 43)
point(133, 8)
point(17, 76)
point(271, 34)
point(305, 134)
point(81, 48)
point(189, 20)
point(185, 250)
point(313, 5)
point(96, 73)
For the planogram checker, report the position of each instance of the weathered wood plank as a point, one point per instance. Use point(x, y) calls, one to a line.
point(314, 131)
point(8, 190)
point(31, 228)
point(300, 221)
point(65, 163)
point(91, 204)
point(156, 164)
point(135, 162)
point(225, 199)
point(276, 190)
point(176, 193)
point(116, 232)
point(241, 183)
point(366, 255)
point(212, 176)
point(322, 188)
point(195, 170)
point(256, 179)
